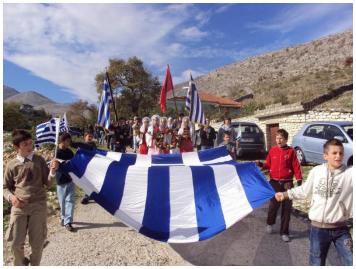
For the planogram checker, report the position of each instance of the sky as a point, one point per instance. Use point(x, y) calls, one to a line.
point(57, 49)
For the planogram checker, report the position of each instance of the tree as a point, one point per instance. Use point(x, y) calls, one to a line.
point(136, 91)
point(13, 118)
point(81, 114)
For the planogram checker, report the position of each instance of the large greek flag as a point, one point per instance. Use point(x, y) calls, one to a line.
point(193, 104)
point(46, 133)
point(104, 107)
point(176, 198)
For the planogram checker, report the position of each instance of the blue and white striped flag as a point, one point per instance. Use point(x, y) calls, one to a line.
point(193, 104)
point(176, 198)
point(46, 132)
point(104, 107)
point(63, 124)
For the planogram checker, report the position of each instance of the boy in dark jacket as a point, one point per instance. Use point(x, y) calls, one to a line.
point(65, 185)
point(282, 164)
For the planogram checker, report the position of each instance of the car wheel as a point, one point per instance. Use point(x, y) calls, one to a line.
point(300, 156)
point(350, 162)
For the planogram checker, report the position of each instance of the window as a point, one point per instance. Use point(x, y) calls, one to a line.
point(251, 129)
point(332, 131)
point(316, 131)
point(349, 130)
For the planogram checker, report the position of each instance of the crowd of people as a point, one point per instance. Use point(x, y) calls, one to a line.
point(162, 135)
point(329, 185)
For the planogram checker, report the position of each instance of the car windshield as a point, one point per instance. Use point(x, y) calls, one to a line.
point(246, 130)
point(349, 130)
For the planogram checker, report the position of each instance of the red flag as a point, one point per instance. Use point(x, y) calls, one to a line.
point(166, 87)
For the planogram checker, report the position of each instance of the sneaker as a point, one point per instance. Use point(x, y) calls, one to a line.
point(26, 261)
point(69, 227)
point(285, 238)
point(62, 222)
point(269, 229)
point(85, 201)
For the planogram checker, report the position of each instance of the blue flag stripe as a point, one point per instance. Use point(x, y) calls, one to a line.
point(112, 190)
point(257, 188)
point(80, 162)
point(155, 222)
point(210, 217)
point(128, 159)
point(167, 159)
point(212, 154)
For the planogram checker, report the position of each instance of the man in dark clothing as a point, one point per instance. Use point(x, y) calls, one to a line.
point(208, 136)
point(120, 137)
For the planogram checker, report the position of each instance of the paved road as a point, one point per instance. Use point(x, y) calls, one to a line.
point(246, 243)
point(103, 240)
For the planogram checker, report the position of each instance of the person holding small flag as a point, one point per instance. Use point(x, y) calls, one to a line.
point(26, 179)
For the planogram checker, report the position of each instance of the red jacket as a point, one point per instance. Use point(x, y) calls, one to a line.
point(282, 164)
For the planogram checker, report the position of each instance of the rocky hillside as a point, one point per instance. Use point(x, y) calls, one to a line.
point(289, 75)
point(31, 97)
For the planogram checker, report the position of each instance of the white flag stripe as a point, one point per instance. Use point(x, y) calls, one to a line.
point(218, 160)
point(183, 222)
point(114, 155)
point(143, 160)
point(233, 200)
point(96, 171)
point(133, 201)
point(191, 158)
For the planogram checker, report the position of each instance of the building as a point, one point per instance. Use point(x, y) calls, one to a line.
point(292, 117)
point(210, 103)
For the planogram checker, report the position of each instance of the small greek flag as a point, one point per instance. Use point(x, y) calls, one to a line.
point(63, 124)
point(104, 107)
point(46, 132)
point(193, 104)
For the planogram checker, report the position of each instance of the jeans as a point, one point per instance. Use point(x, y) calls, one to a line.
point(206, 147)
point(135, 143)
point(65, 195)
point(320, 240)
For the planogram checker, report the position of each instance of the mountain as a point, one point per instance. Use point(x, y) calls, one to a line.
point(8, 92)
point(38, 101)
point(31, 97)
point(54, 109)
point(293, 74)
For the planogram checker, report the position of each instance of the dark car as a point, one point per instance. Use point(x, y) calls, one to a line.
point(251, 139)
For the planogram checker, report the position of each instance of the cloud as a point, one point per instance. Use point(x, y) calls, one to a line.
point(193, 34)
point(301, 15)
point(185, 75)
point(68, 44)
point(223, 8)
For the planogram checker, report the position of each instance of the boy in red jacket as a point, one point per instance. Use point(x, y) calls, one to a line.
point(282, 164)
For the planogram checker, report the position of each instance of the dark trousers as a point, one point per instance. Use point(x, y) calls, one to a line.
point(280, 186)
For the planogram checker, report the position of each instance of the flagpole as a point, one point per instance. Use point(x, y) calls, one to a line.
point(174, 98)
point(112, 97)
point(57, 136)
